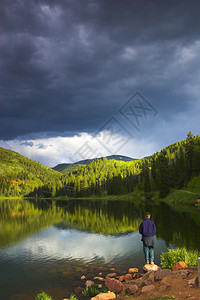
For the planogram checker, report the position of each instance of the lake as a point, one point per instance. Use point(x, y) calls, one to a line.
point(49, 245)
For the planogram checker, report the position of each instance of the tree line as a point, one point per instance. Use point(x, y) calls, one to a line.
point(171, 168)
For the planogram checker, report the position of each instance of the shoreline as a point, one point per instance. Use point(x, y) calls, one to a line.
point(154, 283)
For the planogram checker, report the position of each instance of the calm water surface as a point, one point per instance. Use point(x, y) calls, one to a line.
point(49, 245)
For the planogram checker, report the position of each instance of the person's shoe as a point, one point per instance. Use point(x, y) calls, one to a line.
point(152, 263)
point(147, 263)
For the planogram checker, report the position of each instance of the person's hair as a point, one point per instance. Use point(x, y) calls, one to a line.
point(147, 215)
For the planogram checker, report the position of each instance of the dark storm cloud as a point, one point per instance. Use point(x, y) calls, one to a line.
point(29, 144)
point(68, 65)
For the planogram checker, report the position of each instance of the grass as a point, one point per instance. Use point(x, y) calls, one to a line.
point(168, 259)
point(43, 296)
point(187, 195)
point(91, 291)
point(73, 297)
point(181, 197)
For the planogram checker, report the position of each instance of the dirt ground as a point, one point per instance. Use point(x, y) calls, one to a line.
point(173, 287)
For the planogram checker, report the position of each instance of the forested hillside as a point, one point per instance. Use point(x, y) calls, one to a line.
point(20, 175)
point(65, 168)
point(170, 169)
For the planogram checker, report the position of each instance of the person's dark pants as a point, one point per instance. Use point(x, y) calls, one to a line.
point(148, 254)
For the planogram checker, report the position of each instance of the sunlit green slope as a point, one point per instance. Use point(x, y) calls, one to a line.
point(65, 168)
point(20, 175)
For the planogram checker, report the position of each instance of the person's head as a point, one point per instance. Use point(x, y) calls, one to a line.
point(147, 215)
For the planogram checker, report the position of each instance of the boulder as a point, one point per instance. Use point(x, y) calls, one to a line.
point(111, 275)
point(133, 270)
point(89, 283)
point(160, 274)
point(149, 267)
point(179, 265)
point(99, 278)
point(148, 278)
point(148, 288)
point(132, 289)
point(104, 296)
point(115, 285)
point(193, 282)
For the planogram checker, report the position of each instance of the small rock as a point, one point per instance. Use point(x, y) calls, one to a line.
point(111, 275)
point(179, 265)
point(114, 285)
point(99, 278)
point(127, 277)
point(83, 277)
point(104, 296)
point(148, 288)
point(78, 290)
point(165, 280)
point(137, 275)
point(132, 289)
point(138, 282)
point(148, 278)
point(160, 274)
point(89, 283)
point(164, 288)
point(149, 267)
point(182, 272)
point(133, 270)
point(121, 278)
point(193, 282)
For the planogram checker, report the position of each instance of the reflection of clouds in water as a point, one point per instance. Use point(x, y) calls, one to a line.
point(72, 244)
point(55, 244)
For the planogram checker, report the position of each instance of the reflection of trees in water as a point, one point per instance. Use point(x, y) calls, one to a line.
point(21, 218)
point(178, 225)
point(105, 218)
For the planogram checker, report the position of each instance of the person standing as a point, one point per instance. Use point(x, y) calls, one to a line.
point(148, 229)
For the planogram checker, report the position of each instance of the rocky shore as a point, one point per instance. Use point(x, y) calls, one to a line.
point(179, 283)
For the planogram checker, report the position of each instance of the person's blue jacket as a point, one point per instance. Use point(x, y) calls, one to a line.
point(147, 228)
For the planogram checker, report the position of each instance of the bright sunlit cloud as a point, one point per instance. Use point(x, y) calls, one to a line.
point(52, 151)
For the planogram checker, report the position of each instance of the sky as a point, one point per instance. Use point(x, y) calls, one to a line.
point(89, 78)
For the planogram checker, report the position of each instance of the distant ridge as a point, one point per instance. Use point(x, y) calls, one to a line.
point(67, 167)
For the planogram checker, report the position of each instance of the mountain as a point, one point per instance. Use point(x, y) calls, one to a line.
point(157, 175)
point(20, 175)
point(173, 168)
point(67, 167)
